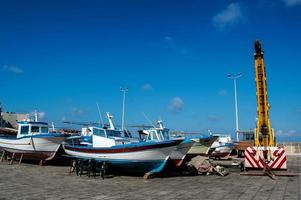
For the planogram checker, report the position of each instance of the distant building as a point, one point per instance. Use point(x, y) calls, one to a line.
point(9, 119)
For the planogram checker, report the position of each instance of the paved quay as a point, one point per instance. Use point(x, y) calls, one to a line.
point(30, 181)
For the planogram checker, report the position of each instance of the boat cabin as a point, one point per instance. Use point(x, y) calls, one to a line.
point(103, 132)
point(154, 134)
point(103, 137)
point(31, 128)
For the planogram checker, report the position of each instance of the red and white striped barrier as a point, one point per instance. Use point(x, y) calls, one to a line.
point(276, 158)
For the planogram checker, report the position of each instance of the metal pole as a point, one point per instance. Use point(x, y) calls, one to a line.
point(235, 101)
point(236, 110)
point(124, 90)
point(1, 122)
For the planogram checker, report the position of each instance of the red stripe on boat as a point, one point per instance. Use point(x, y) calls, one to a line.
point(120, 150)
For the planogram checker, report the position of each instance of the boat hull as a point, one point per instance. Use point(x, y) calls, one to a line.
point(222, 152)
point(139, 158)
point(180, 153)
point(201, 147)
point(39, 147)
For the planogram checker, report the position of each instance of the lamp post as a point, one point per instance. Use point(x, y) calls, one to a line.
point(234, 78)
point(1, 122)
point(123, 90)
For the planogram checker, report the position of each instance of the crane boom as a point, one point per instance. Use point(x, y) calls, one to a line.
point(264, 154)
point(264, 134)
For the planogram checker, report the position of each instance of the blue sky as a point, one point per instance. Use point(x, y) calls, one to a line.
point(61, 57)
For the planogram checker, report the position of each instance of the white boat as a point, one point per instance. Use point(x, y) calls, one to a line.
point(121, 153)
point(201, 147)
point(160, 133)
point(222, 147)
point(109, 131)
point(33, 140)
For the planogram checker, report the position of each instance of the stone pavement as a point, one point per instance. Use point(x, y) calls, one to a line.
point(30, 181)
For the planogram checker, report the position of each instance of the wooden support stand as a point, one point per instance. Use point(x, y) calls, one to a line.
point(275, 173)
point(13, 158)
point(2, 156)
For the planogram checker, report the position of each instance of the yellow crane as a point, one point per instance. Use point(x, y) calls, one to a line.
point(264, 154)
point(264, 133)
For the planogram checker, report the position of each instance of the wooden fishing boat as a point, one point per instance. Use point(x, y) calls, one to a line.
point(33, 141)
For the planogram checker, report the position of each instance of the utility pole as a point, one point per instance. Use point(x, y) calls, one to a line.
point(123, 90)
point(1, 121)
point(234, 78)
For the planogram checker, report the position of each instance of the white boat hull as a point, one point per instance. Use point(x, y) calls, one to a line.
point(153, 154)
point(180, 153)
point(40, 148)
point(147, 157)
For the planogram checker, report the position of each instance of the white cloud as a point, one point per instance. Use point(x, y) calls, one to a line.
point(229, 16)
point(170, 42)
point(223, 92)
point(41, 115)
point(176, 105)
point(289, 133)
point(279, 133)
point(12, 68)
point(147, 87)
point(291, 3)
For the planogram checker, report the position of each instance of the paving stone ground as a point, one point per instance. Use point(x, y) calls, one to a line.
point(30, 181)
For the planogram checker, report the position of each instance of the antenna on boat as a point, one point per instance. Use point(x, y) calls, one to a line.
point(149, 121)
point(210, 132)
point(100, 117)
point(35, 115)
point(160, 123)
point(110, 118)
point(52, 126)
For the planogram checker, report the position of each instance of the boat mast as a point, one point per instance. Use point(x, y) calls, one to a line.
point(1, 120)
point(100, 117)
point(36, 115)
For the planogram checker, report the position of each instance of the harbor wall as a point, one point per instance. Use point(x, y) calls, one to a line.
point(291, 147)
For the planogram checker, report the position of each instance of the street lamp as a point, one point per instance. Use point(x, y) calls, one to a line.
point(235, 99)
point(123, 90)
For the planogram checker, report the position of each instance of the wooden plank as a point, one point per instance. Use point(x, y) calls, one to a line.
point(262, 173)
point(3, 153)
point(12, 159)
point(21, 158)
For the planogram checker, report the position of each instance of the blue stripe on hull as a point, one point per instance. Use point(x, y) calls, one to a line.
point(132, 166)
point(138, 166)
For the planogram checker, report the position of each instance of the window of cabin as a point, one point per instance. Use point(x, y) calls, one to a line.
point(99, 132)
point(113, 133)
point(44, 129)
point(35, 129)
point(165, 134)
point(154, 134)
point(24, 130)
